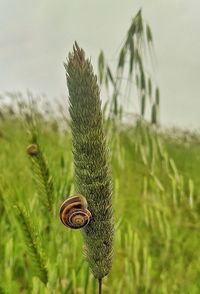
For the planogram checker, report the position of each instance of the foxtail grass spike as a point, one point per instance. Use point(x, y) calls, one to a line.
point(92, 171)
point(42, 174)
point(31, 238)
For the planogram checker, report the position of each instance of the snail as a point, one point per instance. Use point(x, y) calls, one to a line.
point(32, 149)
point(74, 213)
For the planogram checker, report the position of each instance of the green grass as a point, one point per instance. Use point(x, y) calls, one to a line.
point(156, 208)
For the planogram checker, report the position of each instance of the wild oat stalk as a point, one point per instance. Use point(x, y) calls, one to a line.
point(92, 172)
point(136, 49)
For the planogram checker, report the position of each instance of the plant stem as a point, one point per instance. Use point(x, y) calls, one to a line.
point(100, 286)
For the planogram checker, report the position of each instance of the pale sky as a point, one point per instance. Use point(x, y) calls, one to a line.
point(36, 36)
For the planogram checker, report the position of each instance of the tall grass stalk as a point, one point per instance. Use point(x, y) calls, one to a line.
point(92, 171)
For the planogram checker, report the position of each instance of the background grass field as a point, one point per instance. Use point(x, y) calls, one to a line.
point(156, 208)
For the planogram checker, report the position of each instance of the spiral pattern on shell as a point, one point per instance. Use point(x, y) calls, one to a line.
point(74, 212)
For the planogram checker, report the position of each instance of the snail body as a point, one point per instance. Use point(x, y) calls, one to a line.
point(74, 213)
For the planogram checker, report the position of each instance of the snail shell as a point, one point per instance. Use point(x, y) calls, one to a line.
point(74, 212)
point(32, 149)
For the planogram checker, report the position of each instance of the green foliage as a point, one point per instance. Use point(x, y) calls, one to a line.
point(92, 173)
point(156, 207)
point(2, 291)
point(32, 242)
